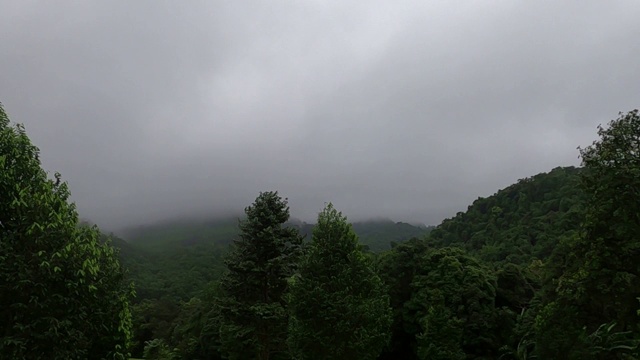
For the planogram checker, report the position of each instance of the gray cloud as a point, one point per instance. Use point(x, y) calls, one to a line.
point(403, 109)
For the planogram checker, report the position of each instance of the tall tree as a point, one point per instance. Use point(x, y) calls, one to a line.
point(254, 322)
point(62, 294)
point(454, 299)
point(398, 268)
point(600, 283)
point(339, 305)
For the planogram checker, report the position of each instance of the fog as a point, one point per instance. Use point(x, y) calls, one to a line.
point(405, 109)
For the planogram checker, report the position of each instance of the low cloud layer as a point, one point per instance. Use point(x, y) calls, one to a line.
point(403, 109)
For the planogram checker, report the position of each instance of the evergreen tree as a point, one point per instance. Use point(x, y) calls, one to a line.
point(62, 294)
point(254, 316)
point(339, 306)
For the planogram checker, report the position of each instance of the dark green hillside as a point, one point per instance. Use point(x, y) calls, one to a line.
point(376, 235)
point(177, 273)
point(521, 222)
point(166, 235)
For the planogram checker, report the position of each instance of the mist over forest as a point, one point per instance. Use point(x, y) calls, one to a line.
point(319, 180)
point(407, 110)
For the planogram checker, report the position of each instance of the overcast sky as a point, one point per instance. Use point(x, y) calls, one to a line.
point(402, 109)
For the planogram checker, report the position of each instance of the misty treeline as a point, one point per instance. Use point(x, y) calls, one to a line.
point(547, 268)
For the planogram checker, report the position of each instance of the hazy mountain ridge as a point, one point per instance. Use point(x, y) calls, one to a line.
point(376, 234)
point(532, 212)
point(173, 262)
point(523, 221)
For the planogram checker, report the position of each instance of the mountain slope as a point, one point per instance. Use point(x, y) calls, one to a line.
point(376, 235)
point(521, 222)
point(167, 235)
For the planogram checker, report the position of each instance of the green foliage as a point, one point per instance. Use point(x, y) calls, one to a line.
point(605, 343)
point(154, 319)
point(179, 274)
point(515, 296)
point(162, 236)
point(157, 349)
point(339, 306)
point(519, 223)
point(442, 333)
point(608, 274)
point(62, 294)
point(254, 316)
point(204, 326)
point(379, 235)
point(167, 236)
point(453, 299)
point(398, 268)
point(594, 278)
point(189, 328)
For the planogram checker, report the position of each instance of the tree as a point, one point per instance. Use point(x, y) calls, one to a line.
point(398, 267)
point(254, 322)
point(339, 306)
point(62, 294)
point(454, 298)
point(600, 282)
point(610, 279)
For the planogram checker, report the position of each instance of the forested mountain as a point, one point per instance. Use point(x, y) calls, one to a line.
point(547, 268)
point(500, 238)
point(494, 246)
point(177, 259)
point(166, 235)
point(375, 235)
point(522, 222)
point(471, 288)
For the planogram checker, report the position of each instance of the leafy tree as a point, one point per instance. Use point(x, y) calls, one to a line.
point(442, 332)
point(454, 298)
point(196, 334)
point(599, 279)
point(609, 274)
point(153, 319)
point(157, 349)
point(62, 294)
point(208, 325)
point(339, 306)
point(397, 268)
point(255, 319)
point(515, 291)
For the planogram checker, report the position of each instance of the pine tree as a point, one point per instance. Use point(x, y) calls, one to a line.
point(62, 294)
point(339, 305)
point(254, 316)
